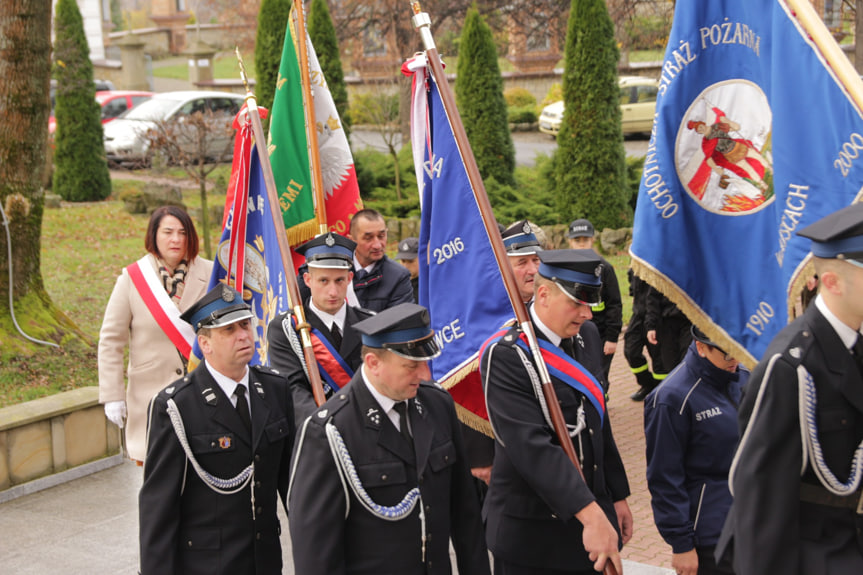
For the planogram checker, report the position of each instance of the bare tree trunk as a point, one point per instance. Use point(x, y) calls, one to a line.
point(205, 218)
point(25, 67)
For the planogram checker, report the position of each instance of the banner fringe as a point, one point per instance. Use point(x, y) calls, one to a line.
point(716, 334)
point(302, 232)
point(459, 375)
point(474, 421)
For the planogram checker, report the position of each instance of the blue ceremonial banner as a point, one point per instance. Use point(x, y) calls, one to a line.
point(459, 281)
point(754, 138)
point(255, 259)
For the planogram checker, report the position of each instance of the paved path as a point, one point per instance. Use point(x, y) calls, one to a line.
point(89, 525)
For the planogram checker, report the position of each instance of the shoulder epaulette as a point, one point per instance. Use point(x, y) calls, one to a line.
point(267, 370)
point(176, 386)
point(330, 408)
point(510, 337)
point(798, 347)
point(433, 385)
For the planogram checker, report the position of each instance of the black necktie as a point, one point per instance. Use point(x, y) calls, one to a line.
point(402, 409)
point(360, 274)
point(243, 406)
point(336, 336)
point(857, 352)
point(567, 347)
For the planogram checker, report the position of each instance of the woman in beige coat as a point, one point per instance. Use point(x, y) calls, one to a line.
point(143, 313)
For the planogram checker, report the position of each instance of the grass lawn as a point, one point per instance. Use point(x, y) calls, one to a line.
point(225, 67)
point(84, 248)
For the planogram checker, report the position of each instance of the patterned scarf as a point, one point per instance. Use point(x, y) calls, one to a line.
point(174, 283)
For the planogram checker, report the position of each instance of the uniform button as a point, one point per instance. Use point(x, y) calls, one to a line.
point(428, 508)
point(430, 564)
point(257, 458)
point(595, 467)
point(428, 538)
point(446, 457)
point(212, 444)
point(179, 371)
point(258, 536)
point(189, 543)
point(554, 515)
point(384, 477)
point(259, 510)
point(591, 431)
point(258, 484)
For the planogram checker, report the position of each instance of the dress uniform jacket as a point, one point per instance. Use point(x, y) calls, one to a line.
point(154, 362)
point(773, 530)
point(329, 538)
point(285, 360)
point(388, 284)
point(186, 527)
point(535, 489)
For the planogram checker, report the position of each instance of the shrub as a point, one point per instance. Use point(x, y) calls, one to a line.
point(555, 94)
point(521, 115)
point(374, 108)
point(518, 97)
point(479, 97)
point(80, 168)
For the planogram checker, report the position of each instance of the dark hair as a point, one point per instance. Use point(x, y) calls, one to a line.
point(366, 213)
point(188, 226)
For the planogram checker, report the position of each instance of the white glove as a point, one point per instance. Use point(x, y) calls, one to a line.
point(115, 411)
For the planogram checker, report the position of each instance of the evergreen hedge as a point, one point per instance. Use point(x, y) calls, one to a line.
point(80, 169)
point(591, 162)
point(269, 41)
point(326, 43)
point(479, 97)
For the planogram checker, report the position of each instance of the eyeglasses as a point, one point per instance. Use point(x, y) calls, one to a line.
point(726, 356)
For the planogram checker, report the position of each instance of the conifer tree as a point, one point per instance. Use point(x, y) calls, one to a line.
point(322, 31)
point(479, 97)
point(270, 38)
point(591, 160)
point(81, 171)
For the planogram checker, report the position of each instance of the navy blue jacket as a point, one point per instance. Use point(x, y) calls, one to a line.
point(388, 284)
point(690, 427)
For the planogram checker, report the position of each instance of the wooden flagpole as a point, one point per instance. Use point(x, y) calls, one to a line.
point(422, 23)
point(311, 120)
point(295, 302)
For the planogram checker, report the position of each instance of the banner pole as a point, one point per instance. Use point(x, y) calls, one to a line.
point(295, 302)
point(422, 22)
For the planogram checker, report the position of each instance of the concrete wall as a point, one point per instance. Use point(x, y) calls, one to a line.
point(53, 434)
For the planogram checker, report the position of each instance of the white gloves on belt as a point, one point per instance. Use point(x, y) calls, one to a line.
point(115, 411)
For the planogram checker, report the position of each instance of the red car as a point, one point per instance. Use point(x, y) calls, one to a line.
point(113, 102)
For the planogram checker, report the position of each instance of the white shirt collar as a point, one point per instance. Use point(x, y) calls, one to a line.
point(228, 385)
point(552, 337)
point(847, 334)
point(358, 267)
point(328, 318)
point(385, 402)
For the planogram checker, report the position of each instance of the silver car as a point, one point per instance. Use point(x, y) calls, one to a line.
point(130, 137)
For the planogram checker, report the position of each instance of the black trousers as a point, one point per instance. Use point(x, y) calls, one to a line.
point(707, 564)
point(502, 567)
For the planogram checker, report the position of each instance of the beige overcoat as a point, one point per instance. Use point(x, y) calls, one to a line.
point(154, 362)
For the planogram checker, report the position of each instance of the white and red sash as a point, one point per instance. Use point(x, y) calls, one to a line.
point(157, 300)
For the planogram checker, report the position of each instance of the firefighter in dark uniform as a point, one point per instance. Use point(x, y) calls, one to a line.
point(797, 503)
point(380, 483)
point(608, 313)
point(408, 256)
point(541, 516)
point(329, 260)
point(218, 451)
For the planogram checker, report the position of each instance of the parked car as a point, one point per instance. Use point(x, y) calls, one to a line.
point(113, 102)
point(637, 107)
point(126, 138)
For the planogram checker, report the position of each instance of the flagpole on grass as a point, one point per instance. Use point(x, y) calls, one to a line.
point(422, 23)
point(311, 120)
point(295, 302)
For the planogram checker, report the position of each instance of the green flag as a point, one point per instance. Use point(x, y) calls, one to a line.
point(289, 148)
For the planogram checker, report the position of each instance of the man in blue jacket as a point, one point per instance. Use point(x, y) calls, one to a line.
point(690, 427)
